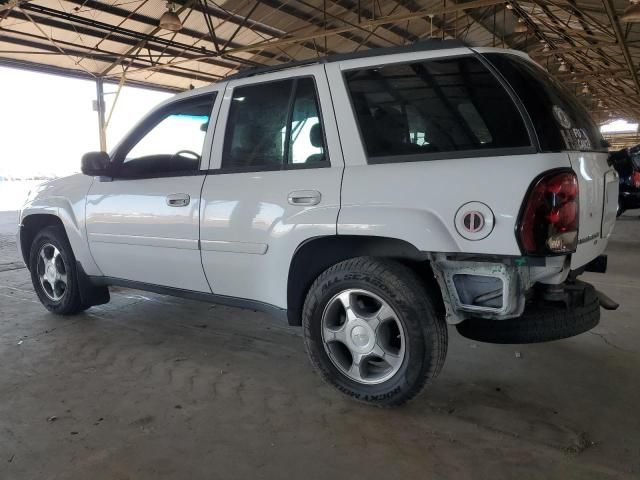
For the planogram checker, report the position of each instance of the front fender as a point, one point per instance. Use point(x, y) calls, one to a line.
point(64, 199)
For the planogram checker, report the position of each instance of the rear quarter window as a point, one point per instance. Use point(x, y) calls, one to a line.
point(560, 120)
point(434, 109)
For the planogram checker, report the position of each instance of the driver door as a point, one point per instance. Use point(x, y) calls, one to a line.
point(143, 221)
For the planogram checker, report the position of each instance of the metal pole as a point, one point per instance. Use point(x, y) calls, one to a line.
point(115, 101)
point(101, 114)
point(613, 18)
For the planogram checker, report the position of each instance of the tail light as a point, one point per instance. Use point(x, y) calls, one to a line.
point(549, 222)
point(635, 179)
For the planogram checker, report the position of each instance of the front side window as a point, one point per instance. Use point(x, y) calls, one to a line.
point(421, 110)
point(274, 125)
point(174, 143)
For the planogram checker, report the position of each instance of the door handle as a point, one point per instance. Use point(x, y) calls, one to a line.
point(178, 199)
point(304, 197)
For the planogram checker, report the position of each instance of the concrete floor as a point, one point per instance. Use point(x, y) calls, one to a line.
point(158, 387)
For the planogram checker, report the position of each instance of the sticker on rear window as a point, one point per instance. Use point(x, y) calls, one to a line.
point(562, 117)
point(576, 139)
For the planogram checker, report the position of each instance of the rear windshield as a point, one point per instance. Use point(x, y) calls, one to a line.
point(561, 122)
point(434, 109)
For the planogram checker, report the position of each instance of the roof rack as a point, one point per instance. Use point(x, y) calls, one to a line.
point(422, 45)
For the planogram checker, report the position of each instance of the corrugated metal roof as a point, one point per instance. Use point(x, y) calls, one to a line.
point(116, 37)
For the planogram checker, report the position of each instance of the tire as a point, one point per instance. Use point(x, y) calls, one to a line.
point(48, 240)
point(417, 332)
point(536, 325)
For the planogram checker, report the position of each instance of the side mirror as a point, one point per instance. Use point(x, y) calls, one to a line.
point(96, 164)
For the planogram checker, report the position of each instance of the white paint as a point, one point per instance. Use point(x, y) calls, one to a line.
point(248, 230)
point(244, 213)
point(591, 168)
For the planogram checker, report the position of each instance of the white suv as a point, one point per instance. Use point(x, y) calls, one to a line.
point(369, 198)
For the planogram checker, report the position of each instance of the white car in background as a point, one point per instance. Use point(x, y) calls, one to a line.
point(371, 198)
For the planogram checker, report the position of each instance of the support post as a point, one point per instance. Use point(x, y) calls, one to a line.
point(100, 107)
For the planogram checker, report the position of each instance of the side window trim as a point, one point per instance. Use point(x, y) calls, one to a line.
point(148, 124)
point(168, 174)
point(230, 89)
point(287, 134)
point(452, 154)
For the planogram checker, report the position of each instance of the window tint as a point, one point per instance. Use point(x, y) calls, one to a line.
point(307, 144)
point(561, 122)
point(274, 124)
point(174, 143)
point(635, 158)
point(432, 107)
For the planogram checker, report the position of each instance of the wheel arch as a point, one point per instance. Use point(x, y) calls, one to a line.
point(317, 254)
point(31, 225)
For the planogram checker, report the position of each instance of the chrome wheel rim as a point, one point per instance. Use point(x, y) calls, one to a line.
point(363, 336)
point(52, 272)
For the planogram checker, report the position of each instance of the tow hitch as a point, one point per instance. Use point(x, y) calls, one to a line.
point(606, 302)
point(570, 294)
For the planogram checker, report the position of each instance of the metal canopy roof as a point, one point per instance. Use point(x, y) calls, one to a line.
point(118, 39)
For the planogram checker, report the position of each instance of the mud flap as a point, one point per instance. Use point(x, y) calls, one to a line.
point(90, 294)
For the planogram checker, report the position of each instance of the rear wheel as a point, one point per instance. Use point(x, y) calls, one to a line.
point(371, 331)
point(53, 272)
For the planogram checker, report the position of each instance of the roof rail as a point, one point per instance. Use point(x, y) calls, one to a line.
point(422, 45)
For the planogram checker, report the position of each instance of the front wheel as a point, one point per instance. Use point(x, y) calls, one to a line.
point(53, 272)
point(372, 331)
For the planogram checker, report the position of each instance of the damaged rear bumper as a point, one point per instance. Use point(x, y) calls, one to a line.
point(495, 288)
point(552, 315)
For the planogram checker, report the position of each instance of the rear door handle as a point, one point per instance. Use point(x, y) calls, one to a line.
point(304, 197)
point(178, 199)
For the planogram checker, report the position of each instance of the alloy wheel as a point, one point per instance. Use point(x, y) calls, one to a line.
point(363, 336)
point(52, 272)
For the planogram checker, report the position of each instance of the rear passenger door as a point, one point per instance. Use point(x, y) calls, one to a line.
point(274, 182)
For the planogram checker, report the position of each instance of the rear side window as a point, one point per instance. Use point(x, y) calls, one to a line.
point(434, 109)
point(306, 145)
point(274, 125)
point(561, 122)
